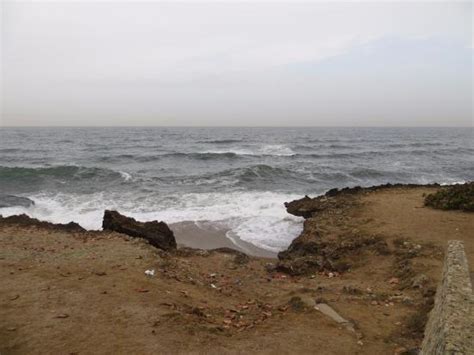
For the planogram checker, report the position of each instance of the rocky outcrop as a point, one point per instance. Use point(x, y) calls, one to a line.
point(308, 254)
point(26, 221)
point(321, 247)
point(307, 206)
point(156, 233)
point(13, 201)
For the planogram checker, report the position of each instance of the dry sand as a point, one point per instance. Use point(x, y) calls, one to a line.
point(86, 293)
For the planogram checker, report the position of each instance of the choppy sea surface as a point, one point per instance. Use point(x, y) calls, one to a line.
point(236, 177)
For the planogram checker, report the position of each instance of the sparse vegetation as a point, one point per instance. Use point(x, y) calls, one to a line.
point(455, 197)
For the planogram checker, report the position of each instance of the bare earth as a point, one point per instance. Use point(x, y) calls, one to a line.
point(86, 293)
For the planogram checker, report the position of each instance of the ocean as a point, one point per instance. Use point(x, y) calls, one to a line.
point(237, 178)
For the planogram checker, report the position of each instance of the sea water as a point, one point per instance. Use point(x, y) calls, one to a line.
point(238, 178)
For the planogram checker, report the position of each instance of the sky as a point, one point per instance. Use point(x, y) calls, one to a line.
point(110, 63)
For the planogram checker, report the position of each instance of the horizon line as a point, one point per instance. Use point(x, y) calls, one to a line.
point(217, 126)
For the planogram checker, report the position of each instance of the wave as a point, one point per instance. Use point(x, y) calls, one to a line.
point(235, 153)
point(222, 141)
point(10, 150)
point(259, 176)
point(374, 153)
point(126, 176)
point(261, 171)
point(115, 158)
point(256, 217)
point(60, 173)
point(266, 150)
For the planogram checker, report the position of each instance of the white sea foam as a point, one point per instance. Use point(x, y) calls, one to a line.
point(256, 217)
point(269, 149)
point(126, 176)
point(277, 149)
point(453, 183)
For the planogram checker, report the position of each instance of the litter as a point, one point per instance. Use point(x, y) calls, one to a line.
point(150, 272)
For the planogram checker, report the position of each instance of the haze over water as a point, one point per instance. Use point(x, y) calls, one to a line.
point(238, 178)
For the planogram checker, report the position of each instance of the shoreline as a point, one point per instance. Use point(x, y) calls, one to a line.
point(209, 235)
point(374, 256)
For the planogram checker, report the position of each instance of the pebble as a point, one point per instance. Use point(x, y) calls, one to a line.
point(64, 315)
point(394, 281)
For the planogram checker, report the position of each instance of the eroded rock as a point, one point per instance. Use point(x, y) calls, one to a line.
point(156, 233)
point(26, 221)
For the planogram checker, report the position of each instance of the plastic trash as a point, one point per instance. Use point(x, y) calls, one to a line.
point(150, 272)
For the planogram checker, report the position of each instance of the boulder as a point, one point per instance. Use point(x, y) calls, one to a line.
point(156, 233)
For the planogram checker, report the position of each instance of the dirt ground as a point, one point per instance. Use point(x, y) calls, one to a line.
point(87, 293)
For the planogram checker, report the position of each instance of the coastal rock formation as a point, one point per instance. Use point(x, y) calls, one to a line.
point(13, 201)
point(156, 233)
point(307, 206)
point(26, 221)
point(330, 241)
point(321, 246)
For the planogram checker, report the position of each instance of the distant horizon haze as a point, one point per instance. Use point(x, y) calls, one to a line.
point(364, 64)
point(254, 127)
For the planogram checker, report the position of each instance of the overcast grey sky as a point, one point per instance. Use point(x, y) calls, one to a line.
point(236, 64)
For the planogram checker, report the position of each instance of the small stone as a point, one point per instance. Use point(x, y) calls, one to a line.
point(62, 316)
point(419, 281)
point(394, 281)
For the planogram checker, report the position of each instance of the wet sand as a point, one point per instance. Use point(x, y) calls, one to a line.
point(210, 235)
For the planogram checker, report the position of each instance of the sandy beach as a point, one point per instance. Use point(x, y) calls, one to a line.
point(209, 235)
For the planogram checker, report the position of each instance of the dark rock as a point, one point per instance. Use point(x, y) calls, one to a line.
point(297, 304)
point(313, 251)
point(358, 189)
point(26, 221)
point(13, 201)
point(301, 208)
point(156, 233)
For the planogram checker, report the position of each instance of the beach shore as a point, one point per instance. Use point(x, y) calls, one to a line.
point(70, 291)
point(208, 235)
